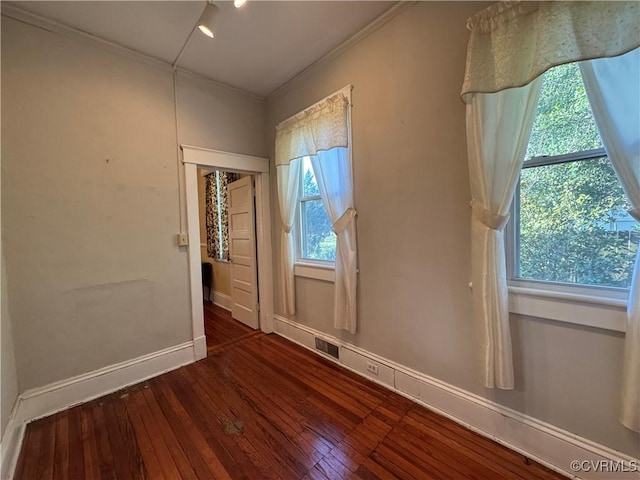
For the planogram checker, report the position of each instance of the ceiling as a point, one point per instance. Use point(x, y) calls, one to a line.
point(257, 48)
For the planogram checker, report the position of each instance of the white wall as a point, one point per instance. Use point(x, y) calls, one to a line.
point(90, 198)
point(412, 197)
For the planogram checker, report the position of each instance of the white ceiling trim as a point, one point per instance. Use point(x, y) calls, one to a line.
point(53, 26)
point(348, 43)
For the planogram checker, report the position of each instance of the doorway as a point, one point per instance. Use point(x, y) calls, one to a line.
point(255, 168)
point(228, 250)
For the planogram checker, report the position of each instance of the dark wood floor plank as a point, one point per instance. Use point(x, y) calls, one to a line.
point(128, 461)
point(156, 456)
point(272, 400)
point(348, 389)
point(471, 445)
point(324, 399)
point(220, 328)
point(101, 434)
point(396, 463)
point(163, 430)
point(47, 450)
point(89, 440)
point(317, 368)
point(379, 470)
point(260, 407)
point(76, 447)
point(269, 400)
point(333, 469)
point(61, 455)
point(235, 453)
point(289, 391)
point(441, 466)
point(27, 466)
point(203, 459)
point(249, 437)
point(263, 428)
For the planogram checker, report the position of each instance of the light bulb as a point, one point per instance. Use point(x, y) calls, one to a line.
point(207, 20)
point(206, 31)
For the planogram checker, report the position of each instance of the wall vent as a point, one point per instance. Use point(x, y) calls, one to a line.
point(326, 347)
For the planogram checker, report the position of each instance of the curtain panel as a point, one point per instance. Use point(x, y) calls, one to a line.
point(498, 129)
point(320, 132)
point(615, 102)
point(288, 178)
point(511, 45)
point(332, 169)
point(217, 213)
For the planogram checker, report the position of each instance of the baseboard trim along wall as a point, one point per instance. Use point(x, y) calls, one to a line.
point(10, 446)
point(547, 444)
point(222, 300)
point(44, 401)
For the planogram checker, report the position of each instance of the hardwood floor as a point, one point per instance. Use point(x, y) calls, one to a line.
point(261, 408)
point(220, 329)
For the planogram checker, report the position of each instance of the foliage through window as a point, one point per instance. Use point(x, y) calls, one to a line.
point(317, 240)
point(572, 224)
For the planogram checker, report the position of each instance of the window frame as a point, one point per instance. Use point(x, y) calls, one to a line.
point(590, 305)
point(308, 267)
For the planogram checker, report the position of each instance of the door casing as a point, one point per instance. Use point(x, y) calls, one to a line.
point(194, 157)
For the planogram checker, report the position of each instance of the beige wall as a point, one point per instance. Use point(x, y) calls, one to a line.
point(221, 270)
point(90, 198)
point(412, 197)
point(220, 118)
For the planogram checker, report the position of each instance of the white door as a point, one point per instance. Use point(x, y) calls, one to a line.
point(242, 249)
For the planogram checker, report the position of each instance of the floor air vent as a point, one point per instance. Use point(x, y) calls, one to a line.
point(326, 347)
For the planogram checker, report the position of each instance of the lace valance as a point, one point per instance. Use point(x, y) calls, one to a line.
point(514, 42)
point(320, 127)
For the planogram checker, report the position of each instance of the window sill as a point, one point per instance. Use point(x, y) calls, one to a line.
point(607, 313)
point(325, 273)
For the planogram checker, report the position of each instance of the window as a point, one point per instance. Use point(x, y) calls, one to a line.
point(217, 224)
point(222, 253)
point(570, 223)
point(317, 242)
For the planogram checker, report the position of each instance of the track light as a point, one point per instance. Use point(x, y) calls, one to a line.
point(239, 3)
point(206, 22)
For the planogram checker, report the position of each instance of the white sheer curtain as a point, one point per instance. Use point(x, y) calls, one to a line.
point(322, 133)
point(288, 178)
point(498, 129)
point(612, 88)
point(332, 169)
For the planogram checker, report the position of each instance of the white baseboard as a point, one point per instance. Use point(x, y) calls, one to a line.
point(546, 444)
point(10, 445)
point(200, 348)
point(222, 300)
point(44, 401)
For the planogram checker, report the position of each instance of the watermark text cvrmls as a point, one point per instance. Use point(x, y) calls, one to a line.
point(605, 466)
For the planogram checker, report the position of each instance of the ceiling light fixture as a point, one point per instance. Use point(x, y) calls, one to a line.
point(207, 19)
point(239, 3)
